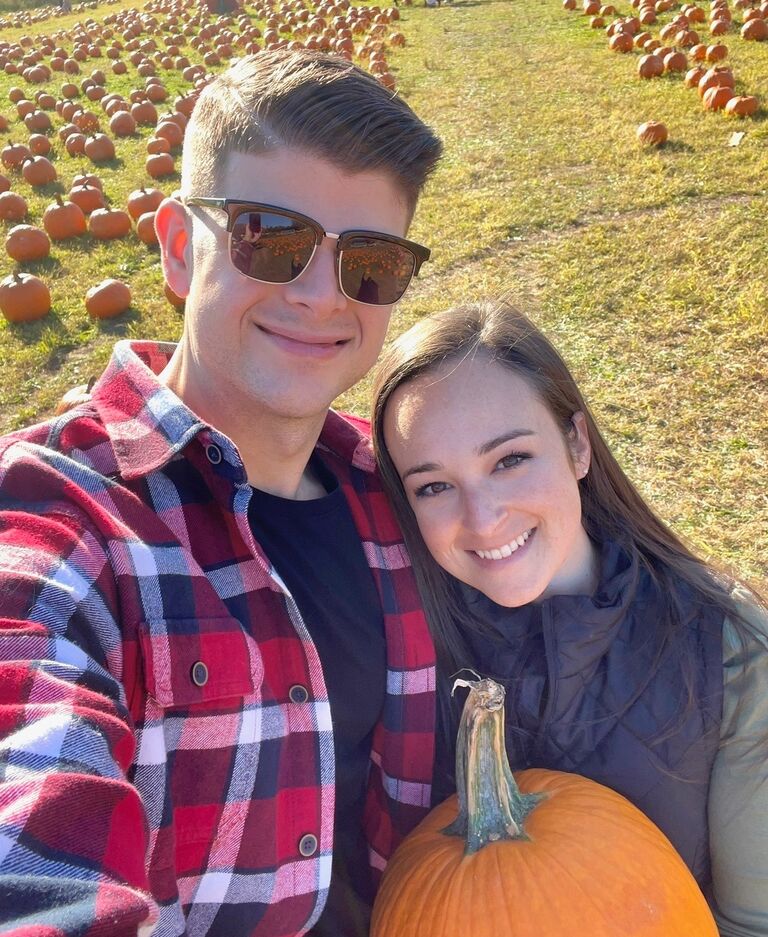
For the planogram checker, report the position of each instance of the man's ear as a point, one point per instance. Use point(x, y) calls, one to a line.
point(174, 235)
point(579, 444)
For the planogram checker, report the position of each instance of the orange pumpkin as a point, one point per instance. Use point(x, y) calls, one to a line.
point(64, 220)
point(109, 223)
point(675, 62)
point(24, 298)
point(38, 170)
point(75, 144)
point(14, 154)
point(652, 133)
point(39, 144)
point(88, 178)
point(717, 76)
point(122, 124)
point(158, 145)
point(26, 242)
point(87, 197)
point(650, 66)
point(74, 397)
point(145, 228)
point(755, 30)
point(143, 200)
point(717, 97)
point(543, 853)
point(13, 207)
point(108, 299)
point(99, 148)
point(160, 164)
point(742, 105)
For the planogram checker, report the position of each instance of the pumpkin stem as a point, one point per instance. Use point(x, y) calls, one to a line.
point(491, 807)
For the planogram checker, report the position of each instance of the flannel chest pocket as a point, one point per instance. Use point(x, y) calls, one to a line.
point(198, 661)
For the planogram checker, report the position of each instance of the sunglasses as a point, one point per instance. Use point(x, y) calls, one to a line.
point(274, 245)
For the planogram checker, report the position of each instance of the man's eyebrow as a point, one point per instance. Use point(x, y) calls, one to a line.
point(484, 449)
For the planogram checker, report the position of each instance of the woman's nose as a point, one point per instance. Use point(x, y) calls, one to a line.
point(483, 514)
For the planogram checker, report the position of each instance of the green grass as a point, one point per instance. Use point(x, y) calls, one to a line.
point(647, 267)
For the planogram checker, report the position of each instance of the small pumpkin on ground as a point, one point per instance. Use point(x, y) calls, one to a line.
point(13, 207)
point(143, 200)
point(24, 298)
point(99, 148)
point(145, 228)
point(652, 133)
point(108, 299)
point(559, 855)
point(26, 242)
point(64, 220)
point(87, 197)
point(742, 105)
point(38, 170)
point(74, 396)
point(109, 223)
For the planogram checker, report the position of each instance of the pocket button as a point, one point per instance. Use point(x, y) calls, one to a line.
point(308, 845)
point(199, 673)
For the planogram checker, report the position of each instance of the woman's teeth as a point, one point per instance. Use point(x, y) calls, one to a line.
point(500, 553)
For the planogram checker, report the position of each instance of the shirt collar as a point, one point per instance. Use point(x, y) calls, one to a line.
point(148, 424)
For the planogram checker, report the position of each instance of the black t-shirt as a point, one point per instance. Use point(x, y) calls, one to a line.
point(316, 549)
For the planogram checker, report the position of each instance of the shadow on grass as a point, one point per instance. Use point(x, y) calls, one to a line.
point(50, 266)
point(676, 146)
point(119, 326)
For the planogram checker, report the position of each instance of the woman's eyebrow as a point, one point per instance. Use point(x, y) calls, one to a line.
point(424, 467)
point(492, 444)
point(483, 449)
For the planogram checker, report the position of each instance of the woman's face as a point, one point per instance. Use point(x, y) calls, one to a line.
point(493, 481)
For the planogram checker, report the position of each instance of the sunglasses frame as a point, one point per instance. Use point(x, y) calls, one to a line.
point(234, 207)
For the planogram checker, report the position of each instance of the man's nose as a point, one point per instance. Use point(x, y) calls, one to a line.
point(318, 286)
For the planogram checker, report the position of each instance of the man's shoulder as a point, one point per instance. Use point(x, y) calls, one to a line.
point(75, 438)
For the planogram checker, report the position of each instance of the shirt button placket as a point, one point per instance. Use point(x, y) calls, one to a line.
point(213, 454)
point(298, 693)
point(308, 845)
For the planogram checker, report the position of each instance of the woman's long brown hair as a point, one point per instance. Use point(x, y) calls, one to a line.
point(612, 508)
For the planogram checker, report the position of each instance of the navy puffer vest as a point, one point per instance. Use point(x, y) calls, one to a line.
point(594, 688)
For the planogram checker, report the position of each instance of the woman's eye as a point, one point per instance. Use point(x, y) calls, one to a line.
point(511, 460)
point(432, 489)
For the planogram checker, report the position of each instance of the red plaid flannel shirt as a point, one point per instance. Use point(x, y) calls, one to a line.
point(133, 799)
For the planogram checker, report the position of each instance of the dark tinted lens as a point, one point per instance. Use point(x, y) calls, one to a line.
point(270, 247)
point(375, 271)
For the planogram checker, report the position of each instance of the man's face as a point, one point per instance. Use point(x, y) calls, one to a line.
point(286, 349)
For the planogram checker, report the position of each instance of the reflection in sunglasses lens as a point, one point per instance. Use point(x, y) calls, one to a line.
point(375, 271)
point(270, 247)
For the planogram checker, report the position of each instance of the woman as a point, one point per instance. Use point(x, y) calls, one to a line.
point(625, 657)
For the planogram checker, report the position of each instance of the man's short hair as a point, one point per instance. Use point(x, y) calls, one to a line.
point(305, 100)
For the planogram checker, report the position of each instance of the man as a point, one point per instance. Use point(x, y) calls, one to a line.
point(216, 684)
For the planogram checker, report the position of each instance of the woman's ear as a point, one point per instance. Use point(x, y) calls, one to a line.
point(579, 444)
point(174, 235)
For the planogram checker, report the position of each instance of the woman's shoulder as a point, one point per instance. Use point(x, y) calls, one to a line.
point(745, 672)
point(745, 632)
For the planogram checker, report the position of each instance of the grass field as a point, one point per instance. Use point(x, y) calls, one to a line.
point(647, 267)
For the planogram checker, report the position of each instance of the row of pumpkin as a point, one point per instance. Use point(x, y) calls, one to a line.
point(678, 49)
